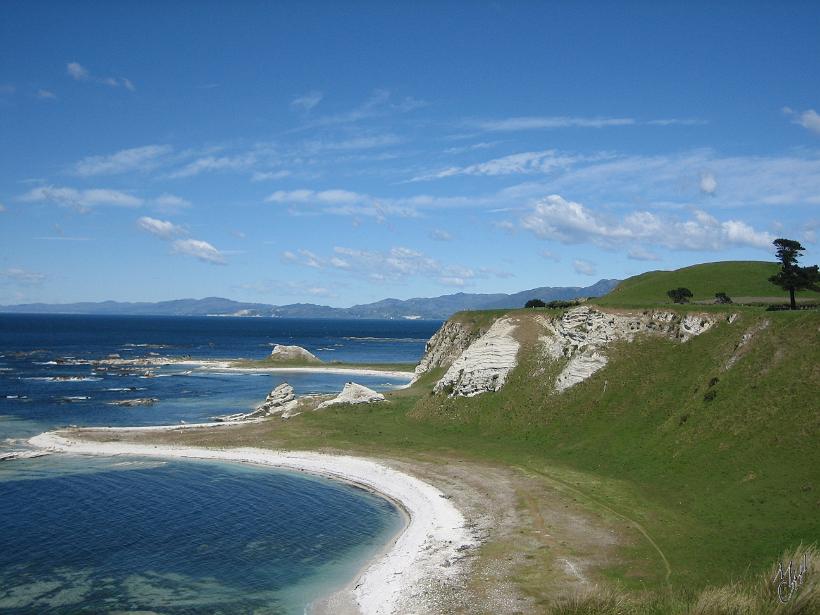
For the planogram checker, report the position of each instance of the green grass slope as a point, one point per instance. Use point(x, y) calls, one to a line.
point(739, 279)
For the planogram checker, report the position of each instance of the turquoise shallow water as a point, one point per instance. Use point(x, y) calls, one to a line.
point(125, 534)
point(108, 535)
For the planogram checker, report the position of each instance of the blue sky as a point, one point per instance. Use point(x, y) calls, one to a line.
point(340, 153)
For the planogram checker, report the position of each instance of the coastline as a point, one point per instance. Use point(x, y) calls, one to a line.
point(319, 369)
point(430, 546)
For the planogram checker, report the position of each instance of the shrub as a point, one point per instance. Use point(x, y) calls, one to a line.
point(535, 303)
point(679, 295)
point(722, 298)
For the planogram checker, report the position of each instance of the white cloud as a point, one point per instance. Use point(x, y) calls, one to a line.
point(440, 235)
point(640, 254)
point(345, 202)
point(171, 203)
point(708, 183)
point(46, 95)
point(261, 176)
point(392, 266)
point(809, 119)
point(199, 249)
point(19, 275)
point(556, 218)
point(212, 163)
point(307, 101)
point(134, 159)
point(160, 228)
point(545, 161)
point(550, 122)
point(78, 72)
point(549, 255)
point(583, 267)
point(82, 200)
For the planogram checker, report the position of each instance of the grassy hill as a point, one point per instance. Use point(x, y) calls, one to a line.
point(744, 281)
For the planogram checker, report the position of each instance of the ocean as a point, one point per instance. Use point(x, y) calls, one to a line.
point(130, 534)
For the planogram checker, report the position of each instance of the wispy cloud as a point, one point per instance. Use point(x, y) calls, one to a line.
point(553, 122)
point(584, 267)
point(440, 235)
point(568, 222)
point(201, 250)
point(141, 159)
point(81, 200)
point(19, 275)
point(170, 203)
point(43, 94)
point(391, 266)
point(550, 122)
point(307, 101)
point(809, 119)
point(160, 228)
point(240, 162)
point(78, 72)
point(545, 161)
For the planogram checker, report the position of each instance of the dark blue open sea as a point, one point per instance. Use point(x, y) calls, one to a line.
point(120, 534)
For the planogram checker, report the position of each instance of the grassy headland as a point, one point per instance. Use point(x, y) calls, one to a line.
point(701, 457)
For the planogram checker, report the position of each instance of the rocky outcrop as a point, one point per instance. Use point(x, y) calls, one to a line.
point(353, 393)
point(281, 401)
point(446, 346)
point(140, 401)
point(742, 347)
point(284, 353)
point(485, 364)
point(582, 335)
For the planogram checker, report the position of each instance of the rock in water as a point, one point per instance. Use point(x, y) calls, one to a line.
point(280, 400)
point(353, 393)
point(284, 353)
point(486, 363)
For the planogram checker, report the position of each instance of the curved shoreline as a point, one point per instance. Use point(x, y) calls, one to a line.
point(428, 548)
point(227, 365)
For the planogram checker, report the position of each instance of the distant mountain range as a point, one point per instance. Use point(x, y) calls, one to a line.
point(436, 308)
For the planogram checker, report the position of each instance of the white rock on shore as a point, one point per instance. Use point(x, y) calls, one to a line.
point(280, 400)
point(486, 363)
point(353, 393)
point(281, 352)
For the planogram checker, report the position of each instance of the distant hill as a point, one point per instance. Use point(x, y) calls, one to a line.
point(745, 281)
point(436, 308)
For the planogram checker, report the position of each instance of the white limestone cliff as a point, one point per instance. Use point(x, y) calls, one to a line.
point(485, 364)
point(582, 335)
point(446, 346)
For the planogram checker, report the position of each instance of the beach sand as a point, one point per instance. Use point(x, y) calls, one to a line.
point(429, 551)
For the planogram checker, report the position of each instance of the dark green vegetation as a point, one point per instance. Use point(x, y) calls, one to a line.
point(679, 295)
point(792, 277)
point(743, 281)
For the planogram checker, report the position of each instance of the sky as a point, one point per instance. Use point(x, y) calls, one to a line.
point(341, 153)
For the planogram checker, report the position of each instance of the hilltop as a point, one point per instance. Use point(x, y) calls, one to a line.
point(743, 281)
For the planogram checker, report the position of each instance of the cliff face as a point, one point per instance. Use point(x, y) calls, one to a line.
point(446, 345)
point(582, 335)
point(480, 362)
point(485, 364)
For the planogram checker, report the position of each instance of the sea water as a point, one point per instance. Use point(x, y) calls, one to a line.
point(130, 534)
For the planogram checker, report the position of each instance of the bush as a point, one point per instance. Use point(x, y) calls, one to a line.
point(679, 295)
point(535, 303)
point(722, 298)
